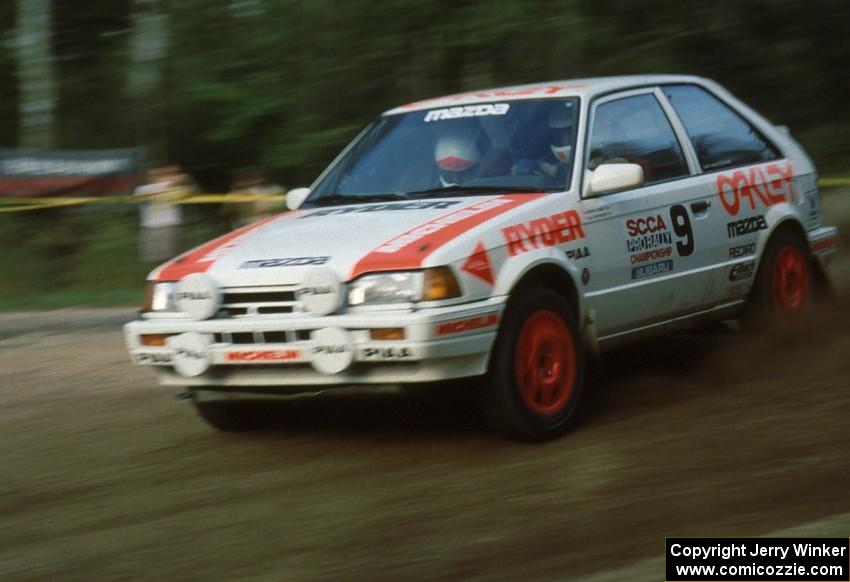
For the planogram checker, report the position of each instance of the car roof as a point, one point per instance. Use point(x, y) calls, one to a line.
point(588, 88)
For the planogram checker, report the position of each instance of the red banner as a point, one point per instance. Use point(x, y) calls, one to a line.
point(27, 174)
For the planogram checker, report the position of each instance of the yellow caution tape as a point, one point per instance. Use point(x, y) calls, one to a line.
point(21, 204)
point(231, 198)
point(833, 182)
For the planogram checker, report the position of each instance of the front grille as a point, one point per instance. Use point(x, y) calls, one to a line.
point(258, 302)
point(263, 337)
point(253, 301)
point(233, 296)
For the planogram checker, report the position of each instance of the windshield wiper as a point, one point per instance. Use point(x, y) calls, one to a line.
point(475, 190)
point(339, 199)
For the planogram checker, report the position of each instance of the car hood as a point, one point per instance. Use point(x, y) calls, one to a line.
point(349, 240)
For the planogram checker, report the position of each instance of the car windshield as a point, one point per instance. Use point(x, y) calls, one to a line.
point(521, 146)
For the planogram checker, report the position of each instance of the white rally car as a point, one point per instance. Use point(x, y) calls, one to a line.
point(505, 233)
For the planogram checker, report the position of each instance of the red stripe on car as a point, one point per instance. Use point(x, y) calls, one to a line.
point(410, 249)
point(200, 259)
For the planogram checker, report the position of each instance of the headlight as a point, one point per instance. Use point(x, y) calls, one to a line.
point(159, 296)
point(405, 287)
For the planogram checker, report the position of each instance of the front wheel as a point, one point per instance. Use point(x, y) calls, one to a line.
point(536, 374)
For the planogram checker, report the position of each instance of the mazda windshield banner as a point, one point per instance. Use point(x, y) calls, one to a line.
point(68, 173)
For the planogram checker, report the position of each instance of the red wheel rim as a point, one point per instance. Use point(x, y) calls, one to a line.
point(791, 281)
point(545, 363)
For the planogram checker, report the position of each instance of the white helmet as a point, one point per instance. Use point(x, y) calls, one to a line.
point(456, 154)
point(561, 119)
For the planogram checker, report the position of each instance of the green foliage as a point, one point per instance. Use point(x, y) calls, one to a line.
point(285, 84)
point(79, 256)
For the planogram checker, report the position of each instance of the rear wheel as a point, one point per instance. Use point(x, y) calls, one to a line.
point(536, 372)
point(782, 292)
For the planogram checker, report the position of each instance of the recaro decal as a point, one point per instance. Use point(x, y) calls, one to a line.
point(478, 265)
point(409, 249)
point(742, 250)
point(763, 186)
point(199, 260)
point(543, 232)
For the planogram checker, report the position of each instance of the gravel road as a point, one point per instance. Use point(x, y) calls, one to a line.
point(107, 476)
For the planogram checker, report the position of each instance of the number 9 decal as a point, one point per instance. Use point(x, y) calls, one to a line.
point(682, 227)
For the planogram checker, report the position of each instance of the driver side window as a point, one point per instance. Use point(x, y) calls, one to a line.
point(635, 130)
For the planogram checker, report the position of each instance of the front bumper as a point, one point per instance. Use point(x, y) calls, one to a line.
point(439, 344)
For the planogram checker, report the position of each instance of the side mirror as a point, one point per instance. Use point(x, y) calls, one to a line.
point(296, 197)
point(613, 177)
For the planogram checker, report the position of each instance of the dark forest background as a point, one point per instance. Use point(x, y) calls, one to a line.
point(284, 84)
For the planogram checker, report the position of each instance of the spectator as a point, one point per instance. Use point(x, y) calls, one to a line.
point(160, 215)
point(253, 182)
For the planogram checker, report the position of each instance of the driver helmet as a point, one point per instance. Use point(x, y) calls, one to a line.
point(455, 156)
point(561, 126)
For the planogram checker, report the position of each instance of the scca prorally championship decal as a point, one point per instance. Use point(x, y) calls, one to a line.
point(284, 262)
point(760, 186)
point(467, 111)
point(409, 249)
point(746, 226)
point(649, 239)
point(417, 205)
point(548, 231)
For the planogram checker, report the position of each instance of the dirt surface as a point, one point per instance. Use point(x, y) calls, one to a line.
point(106, 476)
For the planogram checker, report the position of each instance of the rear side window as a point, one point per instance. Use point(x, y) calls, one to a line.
point(721, 137)
point(636, 130)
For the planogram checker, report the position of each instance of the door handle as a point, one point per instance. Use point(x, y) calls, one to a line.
point(700, 206)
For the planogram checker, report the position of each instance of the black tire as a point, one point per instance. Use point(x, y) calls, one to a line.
point(784, 286)
point(230, 416)
point(532, 344)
